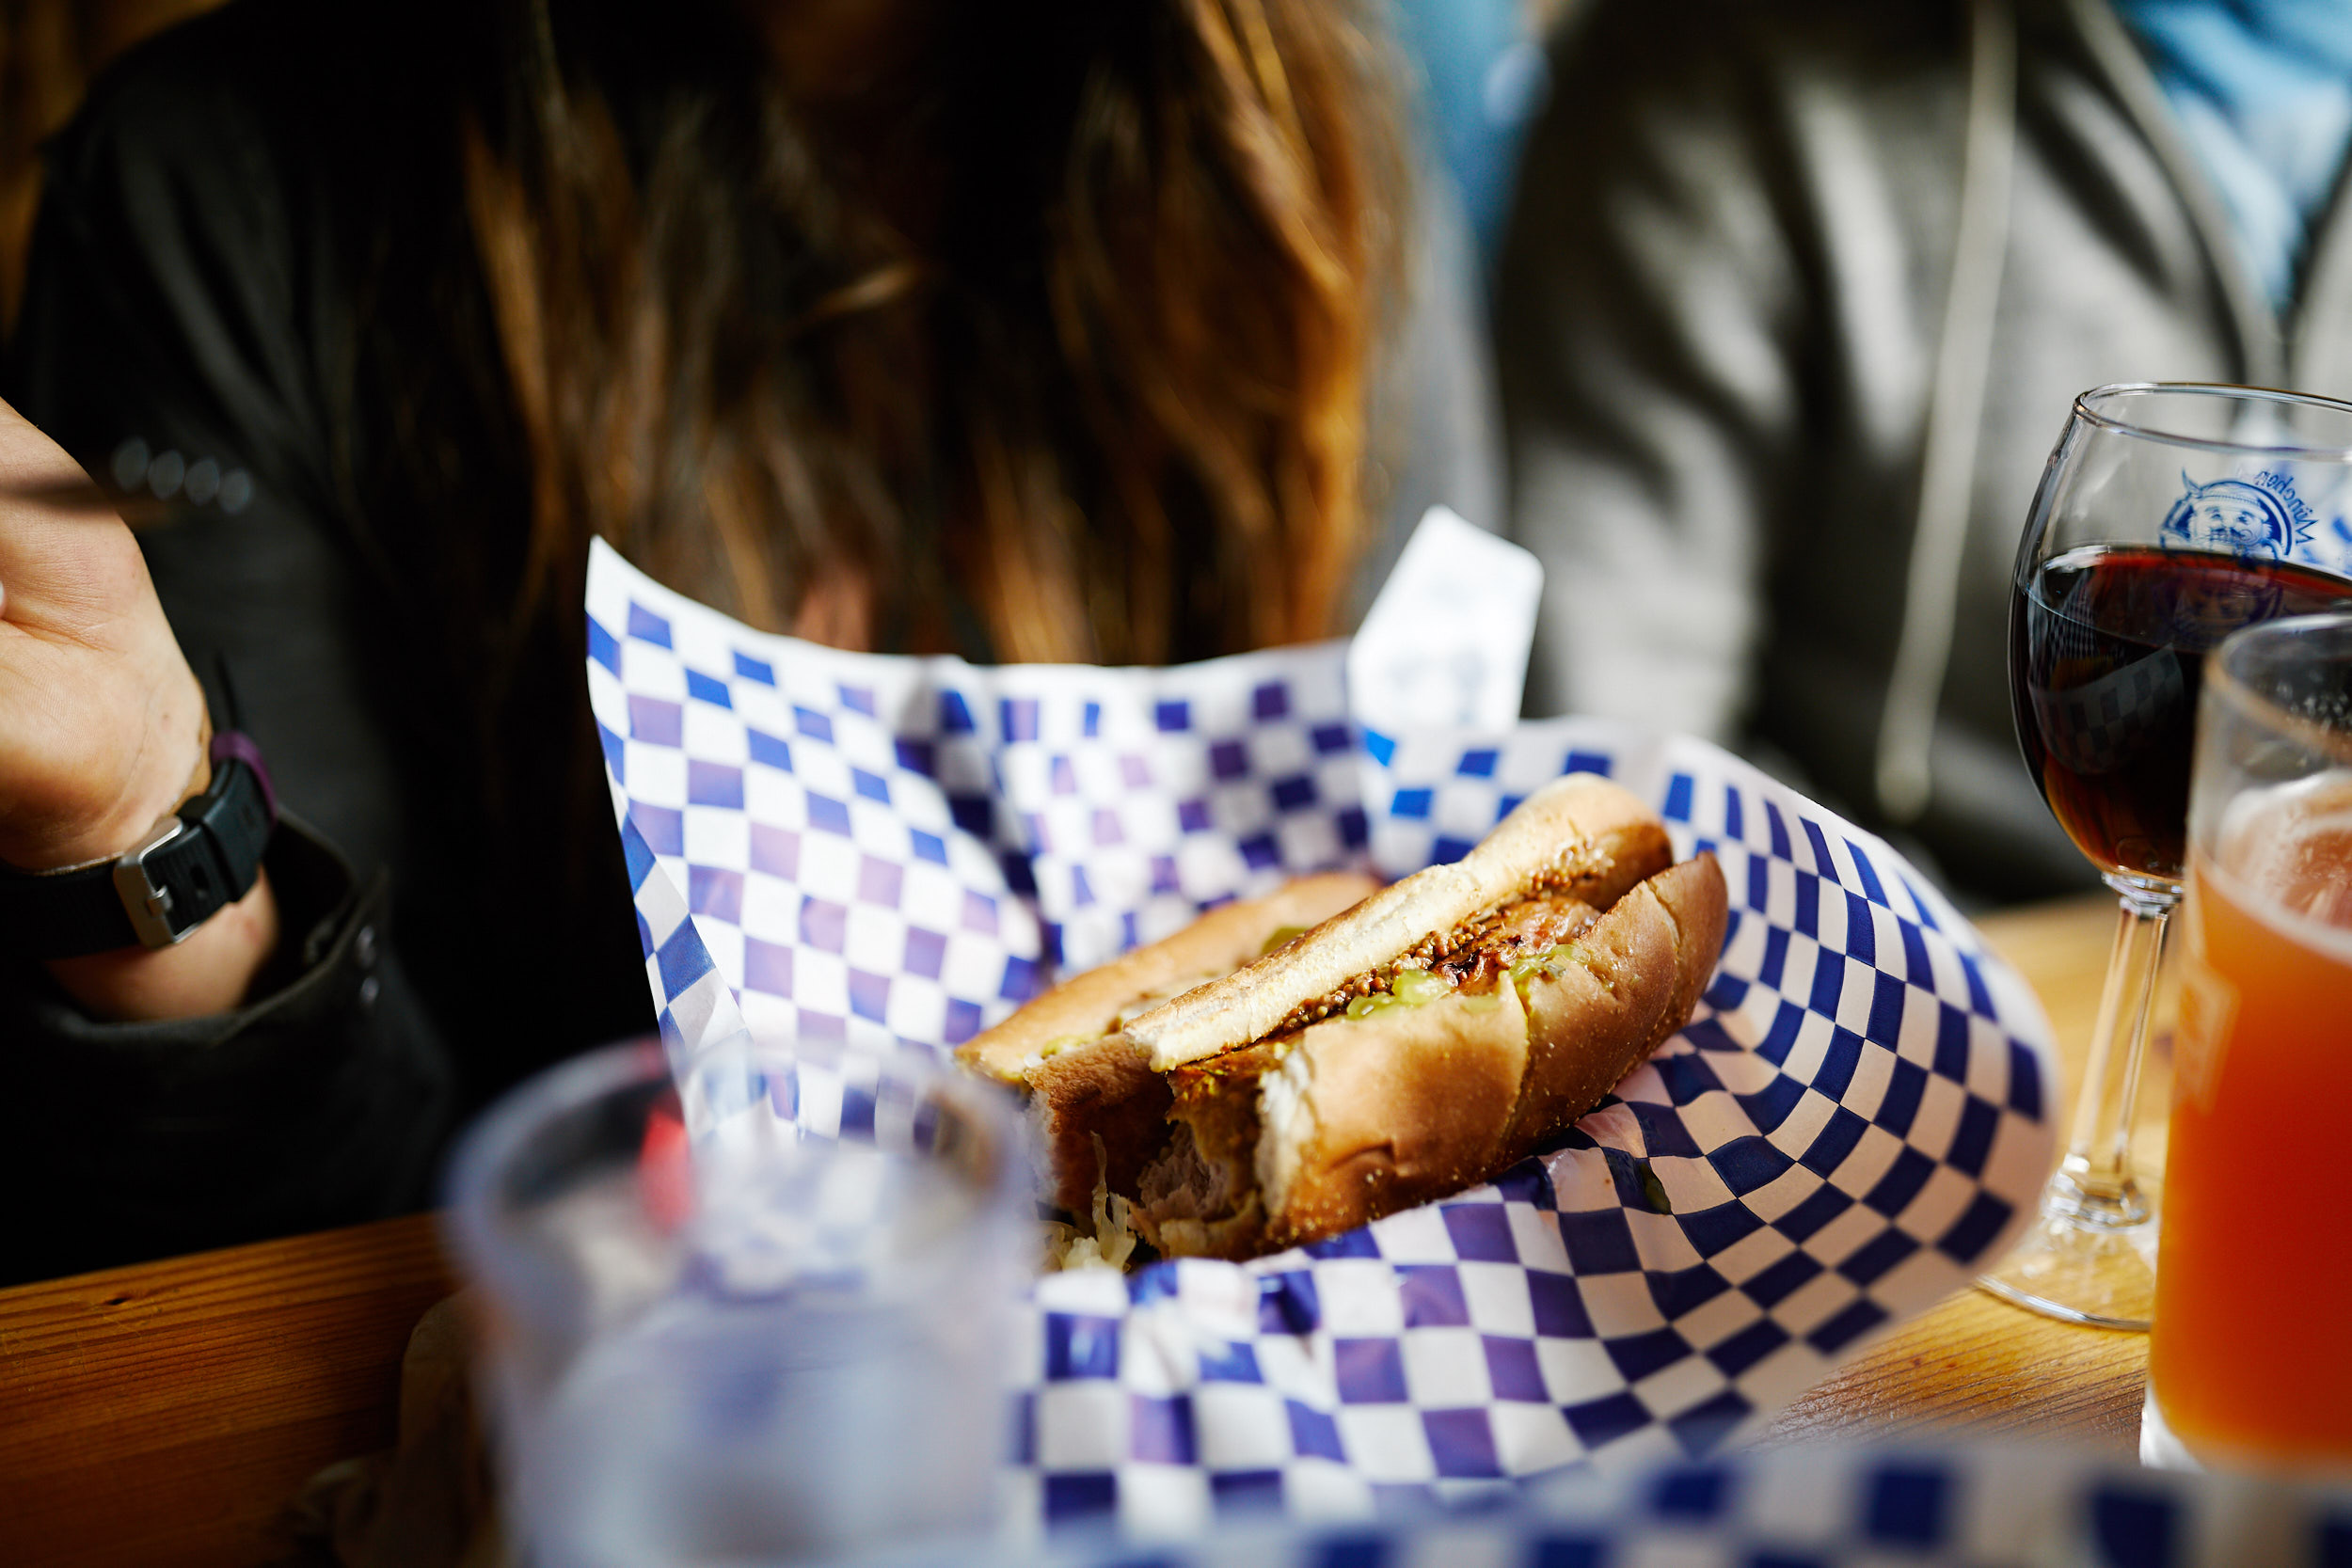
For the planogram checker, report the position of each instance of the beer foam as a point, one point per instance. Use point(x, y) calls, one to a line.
point(2285, 856)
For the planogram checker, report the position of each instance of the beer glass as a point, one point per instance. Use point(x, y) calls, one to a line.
point(2248, 1359)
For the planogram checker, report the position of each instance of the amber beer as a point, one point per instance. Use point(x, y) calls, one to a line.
point(2252, 1352)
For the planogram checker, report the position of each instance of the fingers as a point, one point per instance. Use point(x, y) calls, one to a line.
point(36, 473)
point(31, 463)
point(100, 715)
point(69, 567)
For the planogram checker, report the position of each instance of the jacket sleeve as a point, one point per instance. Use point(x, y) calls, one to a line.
point(322, 1102)
point(1647, 309)
point(164, 340)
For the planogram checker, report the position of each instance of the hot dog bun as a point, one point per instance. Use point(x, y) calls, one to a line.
point(1218, 942)
point(1580, 835)
point(1410, 1044)
point(1085, 1081)
point(1361, 1118)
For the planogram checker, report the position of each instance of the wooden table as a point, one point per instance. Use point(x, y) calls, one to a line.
point(166, 1413)
point(169, 1413)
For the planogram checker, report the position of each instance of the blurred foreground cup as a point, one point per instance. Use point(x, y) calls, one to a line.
point(2252, 1360)
point(757, 1315)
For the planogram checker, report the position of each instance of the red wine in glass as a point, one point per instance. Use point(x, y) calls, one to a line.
point(2107, 647)
point(2166, 519)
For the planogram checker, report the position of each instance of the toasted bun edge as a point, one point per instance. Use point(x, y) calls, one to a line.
point(1335, 1154)
point(1217, 942)
point(1580, 820)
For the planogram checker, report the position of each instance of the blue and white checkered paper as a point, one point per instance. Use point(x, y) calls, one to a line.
point(856, 851)
point(2006, 1505)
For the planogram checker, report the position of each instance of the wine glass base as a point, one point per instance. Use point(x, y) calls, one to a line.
point(2064, 1270)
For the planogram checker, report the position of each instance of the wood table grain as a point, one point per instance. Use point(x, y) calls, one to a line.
point(169, 1413)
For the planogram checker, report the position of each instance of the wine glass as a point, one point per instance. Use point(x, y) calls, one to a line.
point(2168, 516)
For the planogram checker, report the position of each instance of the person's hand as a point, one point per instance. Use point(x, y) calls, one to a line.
point(102, 725)
point(102, 722)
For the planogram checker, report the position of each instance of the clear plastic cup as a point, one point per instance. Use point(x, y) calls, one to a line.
point(757, 1316)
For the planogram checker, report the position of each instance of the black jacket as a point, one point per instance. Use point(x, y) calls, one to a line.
point(210, 228)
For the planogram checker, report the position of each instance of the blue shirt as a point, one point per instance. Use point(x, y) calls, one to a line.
point(2263, 89)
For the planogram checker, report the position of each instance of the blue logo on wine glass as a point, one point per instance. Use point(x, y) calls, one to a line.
point(2259, 519)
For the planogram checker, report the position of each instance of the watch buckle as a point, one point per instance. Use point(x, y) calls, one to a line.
point(148, 904)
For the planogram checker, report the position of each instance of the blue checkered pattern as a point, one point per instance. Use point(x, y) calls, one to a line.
point(2010, 1505)
point(1855, 1120)
point(825, 820)
point(1139, 797)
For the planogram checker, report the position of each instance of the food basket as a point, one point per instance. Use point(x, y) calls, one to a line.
point(870, 856)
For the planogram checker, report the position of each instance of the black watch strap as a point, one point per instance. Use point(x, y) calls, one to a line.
point(189, 866)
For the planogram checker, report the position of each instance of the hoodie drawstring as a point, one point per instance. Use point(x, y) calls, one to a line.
point(1955, 414)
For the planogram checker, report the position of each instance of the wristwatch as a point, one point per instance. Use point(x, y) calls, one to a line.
point(185, 869)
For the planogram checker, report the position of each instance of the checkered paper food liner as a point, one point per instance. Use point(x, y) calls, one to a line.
point(877, 856)
point(2007, 1505)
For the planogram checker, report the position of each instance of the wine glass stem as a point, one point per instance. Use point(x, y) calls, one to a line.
point(2094, 1184)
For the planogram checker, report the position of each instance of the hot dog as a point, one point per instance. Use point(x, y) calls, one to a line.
point(1412, 1042)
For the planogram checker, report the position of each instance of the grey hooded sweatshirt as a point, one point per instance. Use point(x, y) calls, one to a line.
point(1794, 305)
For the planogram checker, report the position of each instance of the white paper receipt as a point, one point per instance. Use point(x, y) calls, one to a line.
point(1445, 644)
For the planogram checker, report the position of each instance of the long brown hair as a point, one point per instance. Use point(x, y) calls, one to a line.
point(1052, 341)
